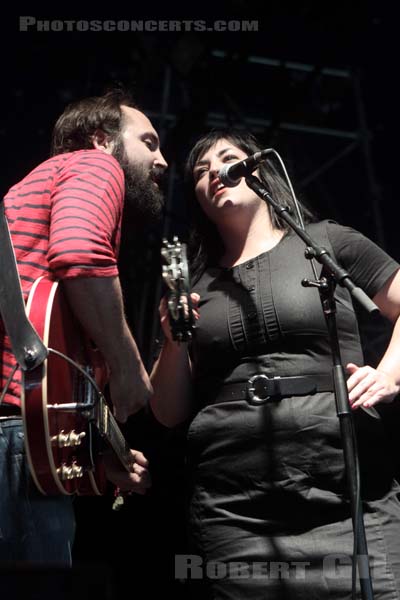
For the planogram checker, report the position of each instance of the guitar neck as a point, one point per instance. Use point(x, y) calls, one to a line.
point(112, 433)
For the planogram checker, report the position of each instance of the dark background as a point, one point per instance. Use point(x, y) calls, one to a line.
point(316, 82)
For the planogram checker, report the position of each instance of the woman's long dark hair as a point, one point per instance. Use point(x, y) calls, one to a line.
point(205, 244)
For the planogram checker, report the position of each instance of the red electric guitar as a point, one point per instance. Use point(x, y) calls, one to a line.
point(66, 418)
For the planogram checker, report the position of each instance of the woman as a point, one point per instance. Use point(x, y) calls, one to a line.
point(269, 511)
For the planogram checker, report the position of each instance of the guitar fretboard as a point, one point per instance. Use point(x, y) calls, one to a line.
point(110, 430)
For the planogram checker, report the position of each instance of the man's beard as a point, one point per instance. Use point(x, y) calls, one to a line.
point(144, 201)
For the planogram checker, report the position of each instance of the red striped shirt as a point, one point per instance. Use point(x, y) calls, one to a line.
point(65, 221)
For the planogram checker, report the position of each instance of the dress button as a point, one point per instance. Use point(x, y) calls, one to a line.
point(249, 265)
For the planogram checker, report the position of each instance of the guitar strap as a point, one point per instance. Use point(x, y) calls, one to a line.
point(26, 344)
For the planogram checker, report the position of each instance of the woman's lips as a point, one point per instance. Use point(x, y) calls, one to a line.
point(219, 192)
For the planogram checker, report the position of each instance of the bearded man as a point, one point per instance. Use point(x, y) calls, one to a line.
point(65, 222)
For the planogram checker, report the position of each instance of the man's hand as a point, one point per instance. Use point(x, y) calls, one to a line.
point(137, 480)
point(130, 390)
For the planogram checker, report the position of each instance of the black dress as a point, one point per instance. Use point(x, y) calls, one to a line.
point(269, 512)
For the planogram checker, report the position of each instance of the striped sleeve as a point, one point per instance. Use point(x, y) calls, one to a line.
point(86, 212)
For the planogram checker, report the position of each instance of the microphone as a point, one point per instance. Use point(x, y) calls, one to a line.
point(230, 175)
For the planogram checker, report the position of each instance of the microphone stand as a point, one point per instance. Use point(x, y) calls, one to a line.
point(332, 274)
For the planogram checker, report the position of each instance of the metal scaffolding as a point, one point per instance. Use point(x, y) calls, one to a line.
point(339, 142)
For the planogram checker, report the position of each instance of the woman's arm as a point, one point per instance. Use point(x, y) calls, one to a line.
point(368, 386)
point(171, 376)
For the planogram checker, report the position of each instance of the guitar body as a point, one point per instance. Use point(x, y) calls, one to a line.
point(61, 437)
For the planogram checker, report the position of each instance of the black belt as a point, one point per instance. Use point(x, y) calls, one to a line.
point(9, 410)
point(260, 388)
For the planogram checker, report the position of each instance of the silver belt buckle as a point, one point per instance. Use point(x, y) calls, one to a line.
point(252, 396)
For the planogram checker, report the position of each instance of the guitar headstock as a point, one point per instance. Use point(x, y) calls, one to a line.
point(175, 272)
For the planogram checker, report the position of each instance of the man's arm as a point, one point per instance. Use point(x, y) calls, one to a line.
point(97, 303)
